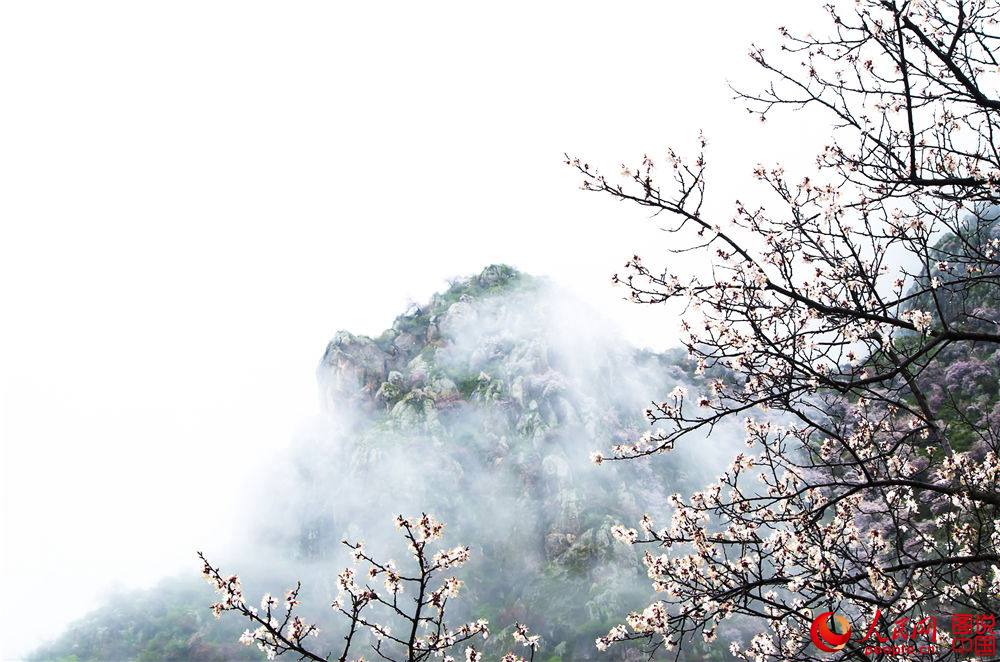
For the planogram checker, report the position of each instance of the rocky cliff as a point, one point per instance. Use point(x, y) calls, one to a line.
point(481, 406)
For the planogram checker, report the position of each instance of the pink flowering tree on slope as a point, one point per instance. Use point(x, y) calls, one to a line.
point(414, 599)
point(829, 310)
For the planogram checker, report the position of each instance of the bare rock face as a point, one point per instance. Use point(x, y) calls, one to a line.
point(352, 369)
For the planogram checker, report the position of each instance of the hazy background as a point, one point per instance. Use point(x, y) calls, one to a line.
point(194, 196)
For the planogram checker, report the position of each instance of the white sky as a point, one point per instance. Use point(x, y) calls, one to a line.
point(195, 195)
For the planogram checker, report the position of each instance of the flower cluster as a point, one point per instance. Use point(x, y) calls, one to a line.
point(275, 633)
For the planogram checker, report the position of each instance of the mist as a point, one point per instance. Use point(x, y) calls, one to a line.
point(480, 406)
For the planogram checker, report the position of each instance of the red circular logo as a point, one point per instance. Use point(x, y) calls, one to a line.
point(827, 640)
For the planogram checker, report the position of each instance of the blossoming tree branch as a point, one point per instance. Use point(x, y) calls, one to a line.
point(416, 599)
point(823, 323)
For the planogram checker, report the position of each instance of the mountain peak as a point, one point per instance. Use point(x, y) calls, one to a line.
point(354, 367)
